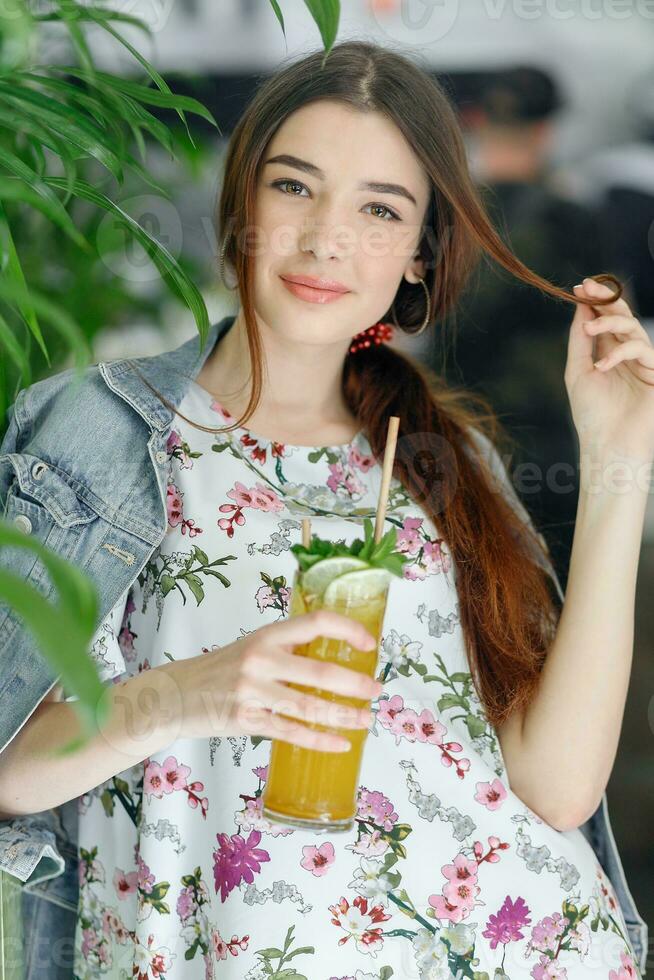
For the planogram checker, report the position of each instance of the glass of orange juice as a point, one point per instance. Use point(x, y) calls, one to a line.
point(309, 788)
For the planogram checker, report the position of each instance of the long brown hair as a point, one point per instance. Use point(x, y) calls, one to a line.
point(507, 612)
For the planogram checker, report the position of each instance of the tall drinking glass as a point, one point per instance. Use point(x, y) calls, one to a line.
point(310, 788)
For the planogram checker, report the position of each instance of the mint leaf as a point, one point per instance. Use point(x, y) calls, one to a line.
point(384, 554)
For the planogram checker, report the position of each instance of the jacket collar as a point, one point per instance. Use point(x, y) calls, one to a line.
point(170, 373)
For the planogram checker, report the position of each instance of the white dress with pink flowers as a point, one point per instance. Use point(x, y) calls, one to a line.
point(446, 871)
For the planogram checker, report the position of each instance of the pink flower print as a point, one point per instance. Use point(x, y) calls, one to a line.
point(192, 789)
point(447, 759)
point(450, 911)
point(408, 539)
point(277, 598)
point(266, 499)
point(227, 523)
point(261, 772)
point(222, 948)
point(174, 775)
point(358, 460)
point(90, 942)
point(430, 730)
point(627, 970)
point(388, 708)
point(405, 725)
point(217, 407)
point(491, 856)
point(180, 450)
point(259, 497)
point(154, 783)
point(340, 478)
point(189, 525)
point(186, 904)
point(462, 892)
point(152, 780)
point(125, 884)
point(374, 807)
point(252, 818)
point(145, 878)
point(435, 559)
point(174, 440)
point(370, 845)
point(461, 869)
point(236, 860)
point(546, 934)
point(547, 969)
point(317, 860)
point(504, 926)
point(110, 922)
point(360, 923)
point(336, 476)
point(491, 795)
point(174, 505)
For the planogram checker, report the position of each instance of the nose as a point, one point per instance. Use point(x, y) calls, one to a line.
point(326, 235)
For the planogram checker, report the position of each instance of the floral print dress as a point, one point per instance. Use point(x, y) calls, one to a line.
point(446, 872)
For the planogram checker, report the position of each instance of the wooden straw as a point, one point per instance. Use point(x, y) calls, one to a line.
point(387, 471)
point(306, 532)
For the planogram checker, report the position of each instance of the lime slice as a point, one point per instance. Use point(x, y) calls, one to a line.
point(358, 586)
point(316, 579)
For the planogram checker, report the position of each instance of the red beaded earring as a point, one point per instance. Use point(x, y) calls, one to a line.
point(379, 333)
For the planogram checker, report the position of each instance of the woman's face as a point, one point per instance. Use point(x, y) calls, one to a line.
point(315, 217)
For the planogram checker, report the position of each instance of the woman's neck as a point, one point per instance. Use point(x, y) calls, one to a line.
point(301, 399)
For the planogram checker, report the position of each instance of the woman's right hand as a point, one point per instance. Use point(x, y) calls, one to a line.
point(239, 688)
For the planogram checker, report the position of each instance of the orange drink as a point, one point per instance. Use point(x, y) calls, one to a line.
point(307, 787)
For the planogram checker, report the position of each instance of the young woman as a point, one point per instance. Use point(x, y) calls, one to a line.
point(496, 714)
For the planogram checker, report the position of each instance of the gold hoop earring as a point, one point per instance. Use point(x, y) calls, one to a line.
point(221, 265)
point(427, 314)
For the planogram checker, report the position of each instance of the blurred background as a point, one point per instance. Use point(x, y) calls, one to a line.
point(557, 106)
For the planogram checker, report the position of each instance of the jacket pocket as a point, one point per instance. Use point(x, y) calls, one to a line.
point(37, 485)
point(40, 500)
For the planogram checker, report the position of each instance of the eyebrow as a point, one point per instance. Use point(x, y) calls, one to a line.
point(366, 185)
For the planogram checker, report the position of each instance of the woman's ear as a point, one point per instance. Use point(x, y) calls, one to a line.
point(416, 270)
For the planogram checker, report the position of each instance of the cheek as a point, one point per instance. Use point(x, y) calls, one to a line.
point(386, 249)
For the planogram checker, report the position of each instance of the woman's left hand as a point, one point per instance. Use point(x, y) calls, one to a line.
point(612, 403)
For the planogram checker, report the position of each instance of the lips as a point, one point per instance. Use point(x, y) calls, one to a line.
point(317, 283)
point(313, 294)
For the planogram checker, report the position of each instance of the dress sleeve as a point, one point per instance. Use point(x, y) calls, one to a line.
point(106, 646)
point(499, 472)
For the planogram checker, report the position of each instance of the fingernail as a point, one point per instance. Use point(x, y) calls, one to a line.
point(578, 286)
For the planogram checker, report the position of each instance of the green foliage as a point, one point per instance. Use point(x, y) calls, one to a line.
point(85, 123)
point(380, 555)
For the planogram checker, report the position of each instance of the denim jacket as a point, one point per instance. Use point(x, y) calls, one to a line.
point(75, 488)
